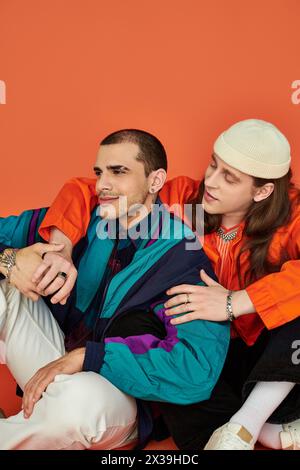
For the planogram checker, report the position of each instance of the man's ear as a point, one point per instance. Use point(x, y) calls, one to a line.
point(157, 179)
point(263, 192)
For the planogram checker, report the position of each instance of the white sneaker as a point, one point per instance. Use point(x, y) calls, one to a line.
point(290, 436)
point(231, 436)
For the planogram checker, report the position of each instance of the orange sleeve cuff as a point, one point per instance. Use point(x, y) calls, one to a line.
point(265, 305)
point(71, 209)
point(65, 226)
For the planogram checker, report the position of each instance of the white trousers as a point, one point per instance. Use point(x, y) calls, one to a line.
point(78, 411)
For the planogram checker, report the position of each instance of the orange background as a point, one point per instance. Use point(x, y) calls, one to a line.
point(76, 70)
point(184, 70)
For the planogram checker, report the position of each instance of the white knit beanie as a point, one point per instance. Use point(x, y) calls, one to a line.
point(256, 148)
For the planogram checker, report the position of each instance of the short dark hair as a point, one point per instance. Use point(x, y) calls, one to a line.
point(151, 150)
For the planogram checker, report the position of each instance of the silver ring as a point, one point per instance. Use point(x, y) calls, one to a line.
point(62, 275)
point(187, 299)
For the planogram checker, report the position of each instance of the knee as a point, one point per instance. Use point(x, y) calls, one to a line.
point(85, 397)
point(68, 398)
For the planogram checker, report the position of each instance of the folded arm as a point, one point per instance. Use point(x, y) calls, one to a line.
point(21, 232)
point(182, 368)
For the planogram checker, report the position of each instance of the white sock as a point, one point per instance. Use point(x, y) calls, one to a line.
point(262, 401)
point(269, 435)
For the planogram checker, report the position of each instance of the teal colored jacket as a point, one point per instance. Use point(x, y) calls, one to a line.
point(181, 368)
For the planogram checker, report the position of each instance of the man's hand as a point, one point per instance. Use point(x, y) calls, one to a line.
point(52, 265)
point(49, 282)
point(70, 363)
point(27, 261)
point(205, 302)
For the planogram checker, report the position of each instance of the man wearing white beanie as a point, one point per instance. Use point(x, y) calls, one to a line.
point(256, 148)
point(252, 236)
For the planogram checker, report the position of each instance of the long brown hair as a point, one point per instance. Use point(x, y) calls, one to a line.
point(262, 220)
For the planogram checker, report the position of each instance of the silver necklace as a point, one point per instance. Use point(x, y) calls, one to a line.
point(227, 237)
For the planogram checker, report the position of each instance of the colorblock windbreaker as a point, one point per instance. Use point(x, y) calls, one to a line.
point(181, 368)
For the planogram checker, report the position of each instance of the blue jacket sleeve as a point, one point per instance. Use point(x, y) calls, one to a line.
point(182, 368)
point(20, 231)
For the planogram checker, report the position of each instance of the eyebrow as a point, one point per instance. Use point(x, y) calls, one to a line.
point(113, 167)
point(226, 171)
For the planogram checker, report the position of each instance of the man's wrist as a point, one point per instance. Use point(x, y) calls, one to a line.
point(241, 303)
point(59, 237)
point(78, 355)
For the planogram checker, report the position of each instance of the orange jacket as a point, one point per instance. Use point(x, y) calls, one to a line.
point(276, 297)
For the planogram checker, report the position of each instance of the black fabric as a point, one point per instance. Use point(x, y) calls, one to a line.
point(137, 322)
point(280, 363)
point(3, 247)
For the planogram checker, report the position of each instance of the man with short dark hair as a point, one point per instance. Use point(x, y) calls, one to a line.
point(90, 366)
point(151, 151)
